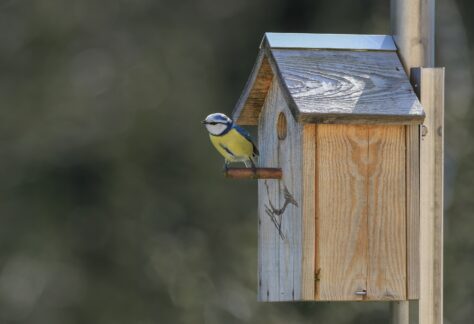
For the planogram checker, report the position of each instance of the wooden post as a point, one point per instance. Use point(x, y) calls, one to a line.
point(412, 23)
point(399, 312)
point(430, 82)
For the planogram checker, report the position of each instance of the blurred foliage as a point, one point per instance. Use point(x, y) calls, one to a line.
point(113, 207)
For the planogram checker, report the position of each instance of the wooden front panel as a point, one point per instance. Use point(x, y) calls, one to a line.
point(386, 213)
point(361, 212)
point(342, 211)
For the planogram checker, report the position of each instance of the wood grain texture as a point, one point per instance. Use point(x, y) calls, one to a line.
point(308, 283)
point(431, 85)
point(342, 211)
point(268, 238)
point(361, 212)
point(413, 210)
point(386, 198)
point(250, 103)
point(280, 205)
point(330, 86)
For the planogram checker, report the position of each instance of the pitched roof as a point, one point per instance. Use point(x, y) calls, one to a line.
point(332, 79)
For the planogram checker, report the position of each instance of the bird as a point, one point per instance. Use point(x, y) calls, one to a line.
point(232, 141)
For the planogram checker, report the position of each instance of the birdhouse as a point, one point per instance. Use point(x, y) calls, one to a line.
point(338, 115)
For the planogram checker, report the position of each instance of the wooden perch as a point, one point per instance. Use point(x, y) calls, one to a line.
point(249, 173)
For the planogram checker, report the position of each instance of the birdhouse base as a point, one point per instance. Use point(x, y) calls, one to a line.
point(257, 173)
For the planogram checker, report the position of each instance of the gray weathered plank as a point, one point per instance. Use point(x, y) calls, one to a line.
point(328, 86)
point(280, 211)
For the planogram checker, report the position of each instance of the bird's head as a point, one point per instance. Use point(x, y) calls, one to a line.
point(217, 123)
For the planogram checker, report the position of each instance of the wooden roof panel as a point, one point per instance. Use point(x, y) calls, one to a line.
point(332, 86)
point(347, 86)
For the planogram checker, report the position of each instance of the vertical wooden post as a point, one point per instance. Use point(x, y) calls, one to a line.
point(399, 310)
point(412, 23)
point(431, 87)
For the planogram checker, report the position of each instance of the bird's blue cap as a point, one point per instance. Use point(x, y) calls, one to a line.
point(217, 118)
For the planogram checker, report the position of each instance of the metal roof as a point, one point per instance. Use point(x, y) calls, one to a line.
point(330, 41)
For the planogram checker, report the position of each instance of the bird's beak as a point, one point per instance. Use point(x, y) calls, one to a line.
point(203, 122)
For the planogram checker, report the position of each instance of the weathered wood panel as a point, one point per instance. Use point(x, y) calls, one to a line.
point(251, 101)
point(386, 198)
point(280, 204)
point(342, 211)
point(268, 238)
point(413, 210)
point(328, 86)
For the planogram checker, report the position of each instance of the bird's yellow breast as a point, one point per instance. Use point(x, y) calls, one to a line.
point(233, 146)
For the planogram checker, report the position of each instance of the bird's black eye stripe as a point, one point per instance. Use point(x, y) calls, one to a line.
point(213, 123)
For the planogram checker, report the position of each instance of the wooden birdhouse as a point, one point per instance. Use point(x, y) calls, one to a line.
point(339, 116)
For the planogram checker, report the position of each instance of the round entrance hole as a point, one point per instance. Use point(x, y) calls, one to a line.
point(281, 126)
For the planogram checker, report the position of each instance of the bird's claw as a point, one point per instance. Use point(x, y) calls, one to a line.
point(226, 167)
point(254, 169)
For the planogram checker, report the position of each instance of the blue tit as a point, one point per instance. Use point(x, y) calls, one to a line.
point(231, 141)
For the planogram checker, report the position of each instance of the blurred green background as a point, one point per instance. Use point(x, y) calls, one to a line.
point(113, 208)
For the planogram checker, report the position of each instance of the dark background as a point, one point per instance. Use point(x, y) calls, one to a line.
point(113, 208)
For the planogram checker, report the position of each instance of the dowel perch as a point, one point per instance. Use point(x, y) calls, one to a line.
point(258, 173)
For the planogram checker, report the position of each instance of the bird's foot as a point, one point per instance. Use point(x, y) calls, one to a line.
point(254, 169)
point(225, 167)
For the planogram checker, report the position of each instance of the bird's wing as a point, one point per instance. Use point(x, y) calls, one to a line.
point(225, 148)
point(246, 134)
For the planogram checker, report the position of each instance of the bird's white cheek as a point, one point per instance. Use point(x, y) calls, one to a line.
point(211, 128)
point(216, 129)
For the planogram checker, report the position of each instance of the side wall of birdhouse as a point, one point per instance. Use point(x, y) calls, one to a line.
point(285, 266)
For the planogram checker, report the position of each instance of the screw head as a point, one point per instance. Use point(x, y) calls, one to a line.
point(424, 130)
